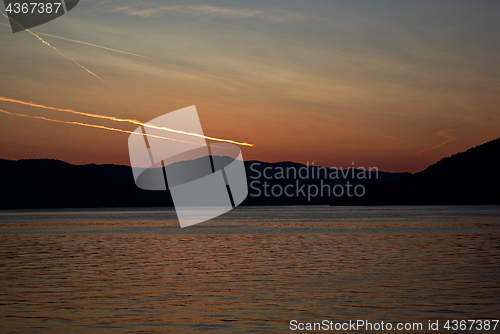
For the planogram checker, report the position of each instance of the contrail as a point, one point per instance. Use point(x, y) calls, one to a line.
point(86, 43)
point(90, 125)
point(95, 45)
point(133, 121)
point(62, 54)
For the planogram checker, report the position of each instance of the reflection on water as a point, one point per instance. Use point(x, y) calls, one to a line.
point(252, 270)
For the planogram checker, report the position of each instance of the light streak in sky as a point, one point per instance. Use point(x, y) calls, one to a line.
point(116, 119)
point(86, 43)
point(62, 54)
point(89, 125)
point(95, 45)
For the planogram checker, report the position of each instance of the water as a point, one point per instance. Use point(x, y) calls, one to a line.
point(252, 270)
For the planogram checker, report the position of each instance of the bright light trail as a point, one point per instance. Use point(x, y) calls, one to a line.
point(116, 119)
point(90, 125)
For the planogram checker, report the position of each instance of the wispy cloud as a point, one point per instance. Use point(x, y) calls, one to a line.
point(390, 137)
point(204, 10)
point(448, 134)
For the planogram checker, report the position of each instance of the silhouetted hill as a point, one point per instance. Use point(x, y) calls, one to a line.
point(46, 183)
point(469, 177)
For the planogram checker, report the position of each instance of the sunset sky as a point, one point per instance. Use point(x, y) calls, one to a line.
point(392, 84)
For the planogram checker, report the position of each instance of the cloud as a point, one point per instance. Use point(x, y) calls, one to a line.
point(390, 137)
point(204, 10)
point(448, 134)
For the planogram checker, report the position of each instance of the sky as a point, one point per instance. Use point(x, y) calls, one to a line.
point(393, 84)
